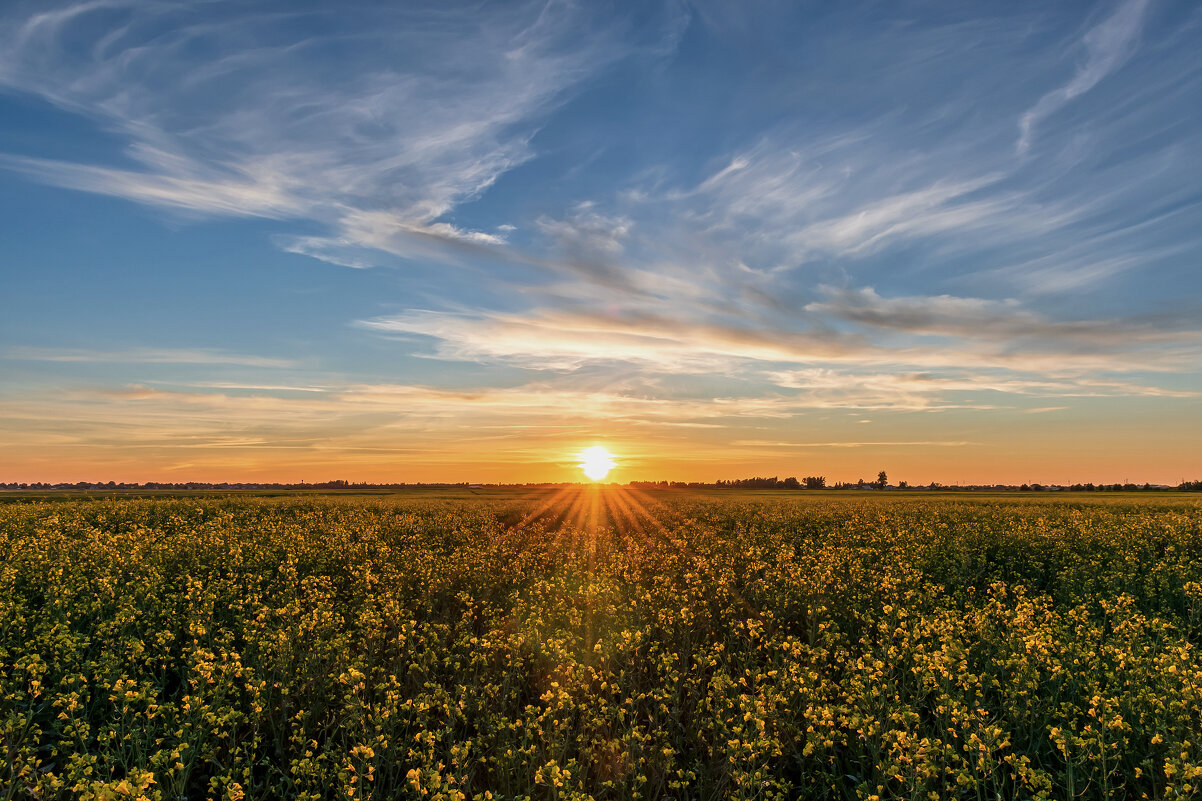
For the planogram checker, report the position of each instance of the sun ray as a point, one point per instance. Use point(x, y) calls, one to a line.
point(548, 504)
point(683, 546)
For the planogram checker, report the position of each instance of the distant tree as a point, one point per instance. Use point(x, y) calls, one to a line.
point(791, 483)
point(903, 485)
point(882, 480)
point(1025, 488)
point(815, 482)
point(757, 482)
point(860, 483)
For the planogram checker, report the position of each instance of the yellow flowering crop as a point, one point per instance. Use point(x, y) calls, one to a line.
point(601, 643)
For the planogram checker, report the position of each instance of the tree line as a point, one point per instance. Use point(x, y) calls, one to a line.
point(882, 482)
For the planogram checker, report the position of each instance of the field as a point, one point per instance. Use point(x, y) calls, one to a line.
point(602, 643)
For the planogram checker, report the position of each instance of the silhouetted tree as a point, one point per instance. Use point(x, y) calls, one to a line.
point(752, 483)
point(882, 480)
point(815, 482)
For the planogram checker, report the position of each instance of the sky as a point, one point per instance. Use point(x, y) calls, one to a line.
point(956, 241)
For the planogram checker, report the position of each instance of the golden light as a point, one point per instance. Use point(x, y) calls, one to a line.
point(596, 462)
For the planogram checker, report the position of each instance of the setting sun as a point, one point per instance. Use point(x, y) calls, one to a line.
point(596, 462)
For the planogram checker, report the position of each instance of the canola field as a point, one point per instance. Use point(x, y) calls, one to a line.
point(602, 643)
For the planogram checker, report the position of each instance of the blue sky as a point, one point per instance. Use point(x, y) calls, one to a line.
point(959, 241)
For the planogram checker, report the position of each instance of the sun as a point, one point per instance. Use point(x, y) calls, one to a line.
point(596, 462)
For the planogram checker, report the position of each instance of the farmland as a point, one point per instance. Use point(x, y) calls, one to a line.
point(602, 643)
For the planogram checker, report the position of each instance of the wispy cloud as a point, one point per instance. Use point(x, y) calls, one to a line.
point(1001, 321)
point(929, 391)
point(767, 443)
point(522, 424)
point(375, 121)
point(999, 334)
point(236, 195)
point(142, 356)
point(1106, 46)
point(413, 432)
point(932, 209)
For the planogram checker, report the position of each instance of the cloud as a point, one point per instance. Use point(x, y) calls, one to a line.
point(235, 196)
point(376, 121)
point(1000, 321)
point(931, 391)
point(396, 431)
point(1107, 45)
point(590, 245)
point(798, 202)
point(842, 444)
point(558, 340)
point(932, 209)
point(142, 356)
point(588, 233)
point(1104, 249)
point(978, 333)
point(518, 424)
point(941, 314)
